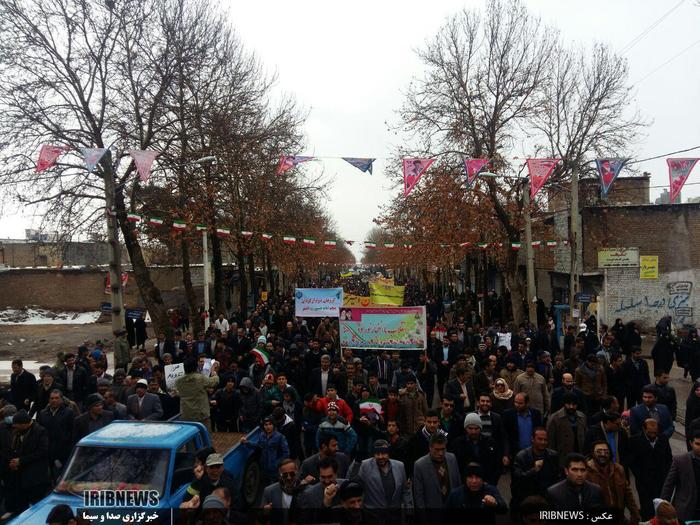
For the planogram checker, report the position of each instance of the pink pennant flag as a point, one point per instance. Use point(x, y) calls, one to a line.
point(143, 159)
point(540, 170)
point(678, 172)
point(48, 155)
point(287, 162)
point(472, 167)
point(412, 171)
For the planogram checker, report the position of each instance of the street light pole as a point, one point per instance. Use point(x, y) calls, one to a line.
point(115, 259)
point(530, 258)
point(205, 268)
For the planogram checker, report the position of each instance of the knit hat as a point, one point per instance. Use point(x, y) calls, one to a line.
point(213, 502)
point(472, 419)
point(262, 339)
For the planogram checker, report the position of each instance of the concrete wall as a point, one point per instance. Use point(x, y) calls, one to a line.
point(648, 300)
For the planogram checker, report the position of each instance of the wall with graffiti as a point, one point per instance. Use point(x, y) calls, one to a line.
point(647, 301)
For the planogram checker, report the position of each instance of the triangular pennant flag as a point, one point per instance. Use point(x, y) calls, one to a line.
point(143, 159)
point(412, 171)
point(287, 162)
point(472, 167)
point(92, 157)
point(48, 155)
point(364, 165)
point(678, 171)
point(540, 170)
point(608, 169)
point(266, 236)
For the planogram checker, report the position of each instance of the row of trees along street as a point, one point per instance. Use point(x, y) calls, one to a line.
point(165, 75)
point(500, 84)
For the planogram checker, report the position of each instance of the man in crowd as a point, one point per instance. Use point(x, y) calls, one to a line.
point(610, 477)
point(520, 422)
point(435, 476)
point(566, 428)
point(574, 492)
point(535, 469)
point(384, 480)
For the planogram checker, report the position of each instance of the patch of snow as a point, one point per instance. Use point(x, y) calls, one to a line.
point(41, 316)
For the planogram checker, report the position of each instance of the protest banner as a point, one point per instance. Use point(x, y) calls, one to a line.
point(356, 300)
point(399, 328)
point(383, 294)
point(318, 302)
point(172, 374)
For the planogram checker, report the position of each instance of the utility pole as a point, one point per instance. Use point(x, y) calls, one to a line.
point(115, 260)
point(529, 257)
point(573, 239)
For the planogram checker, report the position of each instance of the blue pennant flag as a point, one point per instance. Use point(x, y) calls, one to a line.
point(364, 165)
point(608, 170)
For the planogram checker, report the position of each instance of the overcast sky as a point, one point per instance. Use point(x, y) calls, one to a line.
point(350, 63)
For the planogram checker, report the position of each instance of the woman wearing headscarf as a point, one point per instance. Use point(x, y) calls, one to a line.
point(501, 397)
point(630, 338)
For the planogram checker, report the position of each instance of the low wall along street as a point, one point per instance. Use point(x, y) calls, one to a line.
point(83, 289)
point(648, 300)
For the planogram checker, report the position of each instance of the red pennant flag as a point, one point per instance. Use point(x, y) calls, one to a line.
point(413, 169)
point(143, 159)
point(540, 170)
point(678, 172)
point(48, 155)
point(472, 167)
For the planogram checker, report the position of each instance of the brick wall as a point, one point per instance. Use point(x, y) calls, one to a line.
point(626, 190)
point(667, 230)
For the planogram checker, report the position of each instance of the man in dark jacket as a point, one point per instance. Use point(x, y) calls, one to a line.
point(477, 448)
point(22, 386)
point(94, 418)
point(535, 469)
point(476, 495)
point(74, 380)
point(27, 455)
point(649, 458)
point(636, 376)
point(608, 430)
point(574, 492)
point(57, 419)
point(520, 422)
point(567, 385)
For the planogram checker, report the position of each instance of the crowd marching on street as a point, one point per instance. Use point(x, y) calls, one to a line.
point(401, 435)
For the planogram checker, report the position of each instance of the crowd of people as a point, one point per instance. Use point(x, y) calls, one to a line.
point(414, 433)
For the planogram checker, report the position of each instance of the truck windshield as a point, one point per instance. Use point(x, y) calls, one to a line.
point(107, 468)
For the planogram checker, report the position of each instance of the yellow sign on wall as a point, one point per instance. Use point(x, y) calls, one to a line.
point(648, 266)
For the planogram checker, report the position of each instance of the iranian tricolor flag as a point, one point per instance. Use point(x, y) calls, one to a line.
point(369, 405)
point(308, 241)
point(329, 243)
point(261, 356)
point(408, 246)
point(201, 227)
point(482, 245)
point(247, 235)
point(133, 217)
point(515, 245)
point(266, 236)
point(388, 245)
point(443, 246)
point(551, 244)
point(155, 221)
point(536, 244)
point(289, 240)
point(464, 244)
point(370, 244)
point(223, 232)
point(179, 224)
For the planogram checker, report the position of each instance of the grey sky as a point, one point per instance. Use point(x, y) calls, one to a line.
point(349, 63)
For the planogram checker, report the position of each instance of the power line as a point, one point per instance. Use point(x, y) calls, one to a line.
point(674, 57)
point(639, 37)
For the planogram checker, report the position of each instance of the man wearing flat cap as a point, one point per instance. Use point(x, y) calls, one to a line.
point(94, 418)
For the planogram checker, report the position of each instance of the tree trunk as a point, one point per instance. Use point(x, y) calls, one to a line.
point(516, 286)
point(217, 263)
point(251, 275)
point(243, 282)
point(190, 294)
point(150, 293)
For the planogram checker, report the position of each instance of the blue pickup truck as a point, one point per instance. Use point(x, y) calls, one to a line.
point(153, 456)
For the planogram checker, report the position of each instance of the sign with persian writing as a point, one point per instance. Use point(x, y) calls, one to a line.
point(618, 258)
point(318, 302)
point(395, 328)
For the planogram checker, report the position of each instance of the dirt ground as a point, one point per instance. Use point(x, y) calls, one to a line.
point(43, 342)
